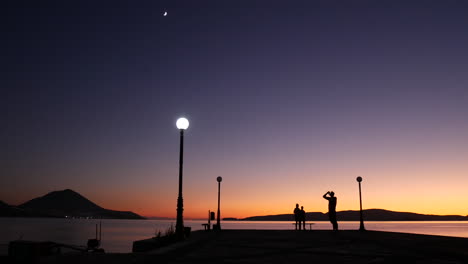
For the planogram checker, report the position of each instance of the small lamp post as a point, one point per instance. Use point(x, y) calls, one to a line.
point(218, 222)
point(361, 226)
point(182, 124)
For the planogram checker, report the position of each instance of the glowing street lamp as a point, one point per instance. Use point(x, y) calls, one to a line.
point(361, 226)
point(218, 223)
point(182, 124)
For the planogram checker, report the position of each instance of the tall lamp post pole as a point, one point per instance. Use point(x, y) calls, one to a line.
point(182, 124)
point(361, 226)
point(218, 223)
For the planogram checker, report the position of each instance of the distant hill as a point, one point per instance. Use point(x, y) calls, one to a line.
point(66, 203)
point(386, 215)
point(369, 215)
point(7, 210)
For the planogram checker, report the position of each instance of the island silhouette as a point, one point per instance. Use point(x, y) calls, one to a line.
point(351, 215)
point(65, 203)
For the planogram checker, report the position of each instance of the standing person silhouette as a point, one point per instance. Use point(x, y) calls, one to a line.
point(297, 213)
point(302, 218)
point(331, 208)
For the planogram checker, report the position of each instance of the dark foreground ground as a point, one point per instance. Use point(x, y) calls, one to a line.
point(288, 246)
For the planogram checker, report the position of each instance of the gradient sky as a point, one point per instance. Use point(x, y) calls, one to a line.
point(286, 100)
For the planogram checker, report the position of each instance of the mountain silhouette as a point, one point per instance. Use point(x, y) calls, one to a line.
point(66, 203)
point(61, 201)
point(7, 210)
point(369, 215)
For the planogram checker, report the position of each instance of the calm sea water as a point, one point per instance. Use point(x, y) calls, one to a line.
point(118, 235)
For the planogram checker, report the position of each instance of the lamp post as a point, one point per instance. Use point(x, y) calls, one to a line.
point(361, 226)
point(182, 124)
point(218, 223)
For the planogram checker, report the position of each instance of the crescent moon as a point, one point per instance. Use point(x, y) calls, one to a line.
point(165, 13)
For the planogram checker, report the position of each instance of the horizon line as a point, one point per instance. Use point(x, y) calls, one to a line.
point(198, 218)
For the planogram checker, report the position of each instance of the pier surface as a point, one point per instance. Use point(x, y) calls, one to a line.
point(289, 246)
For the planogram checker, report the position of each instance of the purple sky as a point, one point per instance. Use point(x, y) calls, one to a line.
point(296, 95)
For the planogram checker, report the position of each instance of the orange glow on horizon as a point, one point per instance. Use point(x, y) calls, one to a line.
point(423, 186)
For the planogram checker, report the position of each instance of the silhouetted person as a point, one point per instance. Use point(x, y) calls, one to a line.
point(297, 213)
point(331, 208)
point(302, 217)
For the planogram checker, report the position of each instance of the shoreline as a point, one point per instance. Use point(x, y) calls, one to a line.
point(120, 240)
point(284, 246)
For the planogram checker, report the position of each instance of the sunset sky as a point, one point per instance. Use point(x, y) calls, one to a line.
point(286, 100)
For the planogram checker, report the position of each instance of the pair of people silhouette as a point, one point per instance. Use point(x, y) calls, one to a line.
point(299, 214)
point(299, 217)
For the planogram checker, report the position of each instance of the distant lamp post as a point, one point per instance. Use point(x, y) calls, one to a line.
point(182, 124)
point(361, 226)
point(218, 222)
